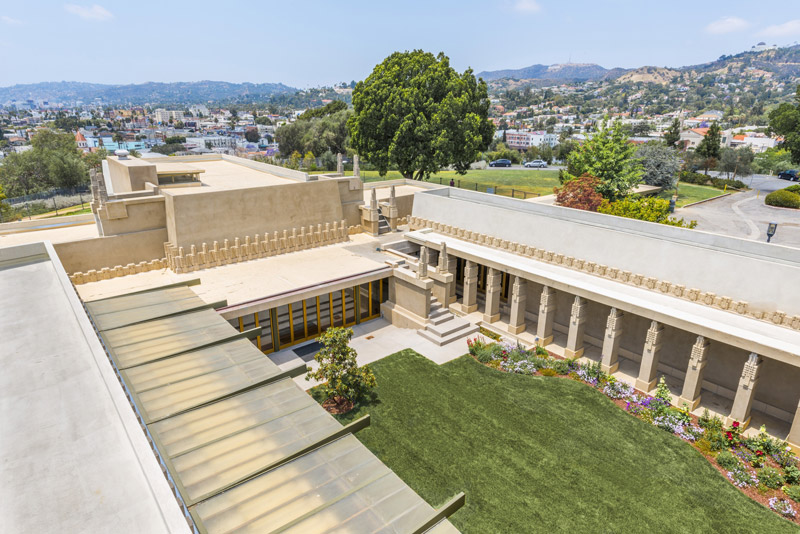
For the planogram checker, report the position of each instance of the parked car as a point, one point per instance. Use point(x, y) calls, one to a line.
point(790, 175)
point(536, 164)
point(500, 163)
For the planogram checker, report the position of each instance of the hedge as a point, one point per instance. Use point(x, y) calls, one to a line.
point(783, 199)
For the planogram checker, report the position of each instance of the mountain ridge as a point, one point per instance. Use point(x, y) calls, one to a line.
point(148, 92)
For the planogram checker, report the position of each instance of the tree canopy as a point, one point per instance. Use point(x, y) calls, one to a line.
point(610, 157)
point(53, 161)
point(415, 112)
point(710, 146)
point(317, 135)
point(660, 165)
point(785, 121)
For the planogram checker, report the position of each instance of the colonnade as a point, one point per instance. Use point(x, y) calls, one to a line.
point(647, 377)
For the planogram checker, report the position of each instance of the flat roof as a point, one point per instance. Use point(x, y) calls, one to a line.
point(73, 456)
point(245, 281)
point(221, 175)
point(383, 193)
point(247, 449)
point(49, 232)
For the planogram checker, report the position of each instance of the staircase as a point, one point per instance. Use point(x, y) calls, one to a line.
point(444, 327)
point(383, 224)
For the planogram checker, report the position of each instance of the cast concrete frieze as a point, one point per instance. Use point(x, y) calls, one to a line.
point(667, 287)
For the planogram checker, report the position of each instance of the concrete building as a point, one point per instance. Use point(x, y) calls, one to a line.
point(522, 140)
point(281, 256)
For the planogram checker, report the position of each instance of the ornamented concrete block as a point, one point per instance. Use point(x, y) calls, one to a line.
point(493, 289)
point(694, 373)
point(577, 323)
point(708, 298)
point(609, 361)
point(745, 392)
point(650, 357)
point(547, 312)
point(694, 294)
point(777, 317)
point(516, 323)
point(470, 303)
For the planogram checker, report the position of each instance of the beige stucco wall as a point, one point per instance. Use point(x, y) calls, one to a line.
point(130, 174)
point(199, 217)
point(133, 215)
point(87, 254)
point(754, 272)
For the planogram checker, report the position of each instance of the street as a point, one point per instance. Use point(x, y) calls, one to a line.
point(745, 215)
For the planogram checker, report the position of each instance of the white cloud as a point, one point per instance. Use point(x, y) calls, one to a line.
point(10, 20)
point(788, 28)
point(727, 25)
point(527, 6)
point(94, 12)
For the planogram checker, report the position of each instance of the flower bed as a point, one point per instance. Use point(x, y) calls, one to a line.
point(764, 468)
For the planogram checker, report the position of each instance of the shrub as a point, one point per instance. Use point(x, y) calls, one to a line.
point(710, 423)
point(742, 477)
point(705, 446)
point(541, 351)
point(579, 193)
point(694, 178)
point(791, 474)
point(650, 209)
point(793, 492)
point(782, 506)
point(793, 189)
point(721, 183)
point(770, 477)
point(343, 379)
point(783, 199)
point(727, 460)
point(562, 367)
point(549, 372)
point(717, 439)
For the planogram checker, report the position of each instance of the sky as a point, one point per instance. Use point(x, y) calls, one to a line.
point(312, 43)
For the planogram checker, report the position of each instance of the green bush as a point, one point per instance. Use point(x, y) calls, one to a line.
point(549, 372)
point(721, 183)
point(793, 189)
point(770, 477)
point(727, 460)
point(791, 474)
point(561, 367)
point(783, 199)
point(710, 423)
point(541, 351)
point(717, 439)
point(650, 209)
point(694, 178)
point(793, 492)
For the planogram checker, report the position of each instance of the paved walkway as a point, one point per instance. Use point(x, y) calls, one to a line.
point(373, 340)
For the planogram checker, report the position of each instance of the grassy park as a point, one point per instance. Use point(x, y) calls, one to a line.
point(542, 454)
point(690, 193)
point(540, 182)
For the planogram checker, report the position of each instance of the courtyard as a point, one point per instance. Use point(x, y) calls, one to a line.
point(540, 454)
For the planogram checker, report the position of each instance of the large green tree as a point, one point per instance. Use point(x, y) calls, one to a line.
point(415, 112)
point(53, 161)
point(315, 134)
point(710, 146)
point(785, 121)
point(610, 157)
point(660, 164)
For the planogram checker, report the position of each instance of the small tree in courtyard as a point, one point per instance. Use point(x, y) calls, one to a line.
point(344, 381)
point(579, 193)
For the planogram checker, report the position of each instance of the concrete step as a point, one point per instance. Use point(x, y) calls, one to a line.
point(441, 318)
point(467, 330)
point(448, 327)
point(435, 305)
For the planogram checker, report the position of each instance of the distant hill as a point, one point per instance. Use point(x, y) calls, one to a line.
point(564, 71)
point(150, 92)
point(657, 75)
point(783, 63)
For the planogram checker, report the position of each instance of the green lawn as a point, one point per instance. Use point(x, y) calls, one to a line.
point(536, 181)
point(689, 193)
point(538, 454)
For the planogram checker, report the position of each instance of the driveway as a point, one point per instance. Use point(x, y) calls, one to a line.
point(745, 215)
